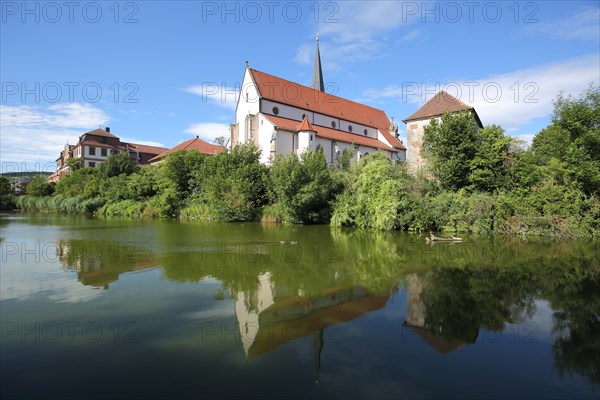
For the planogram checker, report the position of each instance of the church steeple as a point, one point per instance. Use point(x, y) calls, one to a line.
point(317, 81)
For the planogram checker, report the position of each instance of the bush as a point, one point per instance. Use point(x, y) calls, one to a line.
point(232, 185)
point(39, 186)
point(376, 196)
point(303, 188)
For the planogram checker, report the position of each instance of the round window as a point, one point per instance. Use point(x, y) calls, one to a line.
point(275, 110)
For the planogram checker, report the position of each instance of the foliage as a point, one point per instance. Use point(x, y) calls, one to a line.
point(376, 197)
point(119, 163)
point(74, 163)
point(489, 165)
point(232, 185)
point(302, 189)
point(220, 141)
point(4, 185)
point(39, 186)
point(451, 146)
point(84, 182)
point(8, 202)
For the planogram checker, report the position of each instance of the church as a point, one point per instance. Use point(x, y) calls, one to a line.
point(284, 117)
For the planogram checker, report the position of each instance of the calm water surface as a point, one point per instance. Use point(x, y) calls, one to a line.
point(94, 308)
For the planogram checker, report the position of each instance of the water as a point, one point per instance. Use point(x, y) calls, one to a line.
point(94, 308)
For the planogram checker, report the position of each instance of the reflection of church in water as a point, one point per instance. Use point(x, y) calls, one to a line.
point(271, 316)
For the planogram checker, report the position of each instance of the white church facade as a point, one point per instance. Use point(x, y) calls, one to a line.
point(283, 117)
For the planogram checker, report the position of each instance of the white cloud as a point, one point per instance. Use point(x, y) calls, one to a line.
point(208, 131)
point(216, 93)
point(35, 134)
point(582, 25)
point(512, 99)
point(359, 31)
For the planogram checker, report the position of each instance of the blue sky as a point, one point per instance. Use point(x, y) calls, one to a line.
point(160, 72)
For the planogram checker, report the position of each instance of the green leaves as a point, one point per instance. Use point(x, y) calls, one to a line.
point(303, 188)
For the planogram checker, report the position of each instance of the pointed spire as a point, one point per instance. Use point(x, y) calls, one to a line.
point(317, 81)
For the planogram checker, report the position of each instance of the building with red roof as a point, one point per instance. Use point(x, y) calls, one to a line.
point(94, 147)
point(417, 121)
point(284, 117)
point(195, 144)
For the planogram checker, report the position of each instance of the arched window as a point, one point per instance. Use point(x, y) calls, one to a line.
point(350, 128)
point(333, 125)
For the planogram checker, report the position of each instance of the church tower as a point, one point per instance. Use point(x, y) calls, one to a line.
point(317, 81)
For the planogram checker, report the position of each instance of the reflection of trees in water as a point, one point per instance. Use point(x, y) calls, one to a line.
point(458, 301)
point(577, 325)
point(477, 284)
point(99, 263)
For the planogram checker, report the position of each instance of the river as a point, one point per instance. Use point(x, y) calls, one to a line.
point(117, 308)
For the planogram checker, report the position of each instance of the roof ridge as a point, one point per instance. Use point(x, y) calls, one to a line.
point(318, 91)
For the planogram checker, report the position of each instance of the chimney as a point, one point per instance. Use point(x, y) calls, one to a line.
point(107, 129)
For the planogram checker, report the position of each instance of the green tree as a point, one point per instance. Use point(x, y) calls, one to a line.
point(489, 166)
point(232, 185)
point(580, 115)
point(117, 164)
point(303, 188)
point(4, 185)
point(84, 182)
point(376, 197)
point(220, 141)
point(450, 147)
point(74, 163)
point(39, 186)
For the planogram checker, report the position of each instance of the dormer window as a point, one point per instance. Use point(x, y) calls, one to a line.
point(102, 139)
point(276, 110)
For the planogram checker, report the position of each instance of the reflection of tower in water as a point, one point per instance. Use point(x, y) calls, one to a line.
point(416, 317)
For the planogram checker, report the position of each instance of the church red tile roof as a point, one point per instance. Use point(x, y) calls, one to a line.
point(439, 104)
point(283, 91)
point(292, 126)
point(192, 144)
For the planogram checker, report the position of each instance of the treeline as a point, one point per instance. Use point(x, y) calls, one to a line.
point(480, 181)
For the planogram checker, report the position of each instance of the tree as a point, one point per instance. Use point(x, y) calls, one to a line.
point(220, 141)
point(232, 185)
point(451, 146)
point(303, 188)
point(376, 197)
point(578, 116)
point(74, 163)
point(4, 185)
point(84, 182)
point(489, 166)
point(39, 186)
point(574, 139)
point(117, 164)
